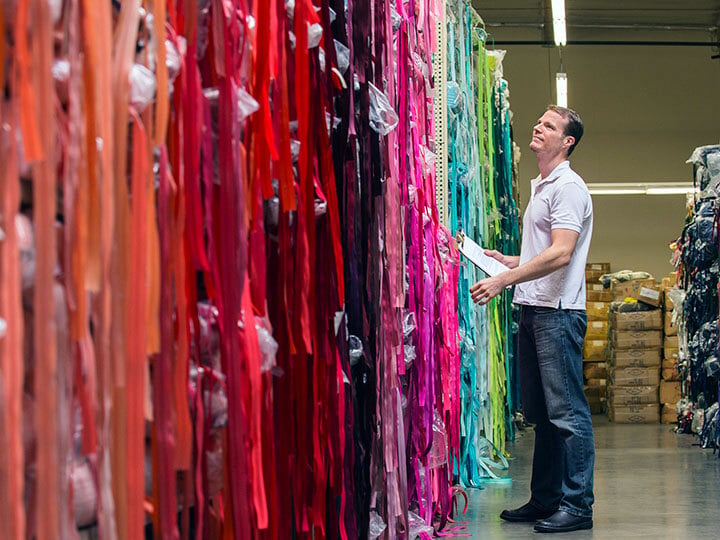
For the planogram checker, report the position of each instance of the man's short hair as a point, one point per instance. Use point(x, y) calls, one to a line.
point(574, 126)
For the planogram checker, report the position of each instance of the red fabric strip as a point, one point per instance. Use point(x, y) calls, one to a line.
point(162, 369)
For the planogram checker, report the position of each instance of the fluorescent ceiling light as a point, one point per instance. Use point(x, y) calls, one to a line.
point(558, 16)
point(641, 188)
point(561, 89)
point(670, 190)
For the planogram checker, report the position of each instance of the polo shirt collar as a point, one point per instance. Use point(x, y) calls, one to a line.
point(554, 175)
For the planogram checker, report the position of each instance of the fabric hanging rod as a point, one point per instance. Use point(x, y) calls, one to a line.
point(613, 43)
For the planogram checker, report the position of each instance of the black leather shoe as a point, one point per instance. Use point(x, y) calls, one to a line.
point(527, 512)
point(561, 521)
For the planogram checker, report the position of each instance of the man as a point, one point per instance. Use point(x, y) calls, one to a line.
point(550, 278)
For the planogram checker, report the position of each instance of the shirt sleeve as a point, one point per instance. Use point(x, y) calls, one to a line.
point(567, 207)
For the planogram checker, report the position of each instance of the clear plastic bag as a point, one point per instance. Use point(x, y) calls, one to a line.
point(173, 59)
point(142, 87)
point(315, 32)
point(383, 118)
point(409, 323)
point(455, 100)
point(410, 355)
point(438, 451)
point(355, 347)
point(246, 105)
point(61, 70)
point(26, 246)
point(343, 56)
point(268, 348)
point(395, 18)
point(418, 526)
point(377, 526)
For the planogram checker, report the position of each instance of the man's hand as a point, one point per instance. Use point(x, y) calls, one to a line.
point(487, 289)
point(511, 261)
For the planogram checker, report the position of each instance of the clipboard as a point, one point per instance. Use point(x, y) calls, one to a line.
point(476, 255)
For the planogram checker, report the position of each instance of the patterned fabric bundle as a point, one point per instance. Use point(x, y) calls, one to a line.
point(228, 306)
point(698, 264)
point(482, 204)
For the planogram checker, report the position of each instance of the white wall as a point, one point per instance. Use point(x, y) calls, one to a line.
point(645, 109)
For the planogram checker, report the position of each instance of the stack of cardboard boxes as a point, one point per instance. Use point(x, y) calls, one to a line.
point(670, 383)
point(594, 365)
point(635, 340)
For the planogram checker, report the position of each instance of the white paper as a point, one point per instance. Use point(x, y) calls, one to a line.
point(476, 255)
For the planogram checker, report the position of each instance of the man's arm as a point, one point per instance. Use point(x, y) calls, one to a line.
point(553, 258)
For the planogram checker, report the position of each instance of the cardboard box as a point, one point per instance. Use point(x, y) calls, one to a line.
point(595, 370)
point(632, 395)
point(670, 374)
point(594, 349)
point(596, 287)
point(599, 296)
point(629, 289)
point(634, 357)
point(635, 376)
point(635, 414)
point(669, 392)
point(593, 276)
point(629, 339)
point(650, 295)
point(595, 392)
point(597, 382)
point(671, 353)
point(597, 311)
point(596, 330)
point(669, 281)
point(668, 304)
point(604, 267)
point(639, 320)
point(671, 342)
point(670, 328)
point(668, 414)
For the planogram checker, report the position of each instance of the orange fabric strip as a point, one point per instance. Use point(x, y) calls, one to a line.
point(123, 53)
point(45, 332)
point(11, 346)
point(91, 210)
point(136, 330)
point(32, 144)
point(97, 26)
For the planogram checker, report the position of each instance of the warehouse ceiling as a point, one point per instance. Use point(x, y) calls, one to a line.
point(688, 15)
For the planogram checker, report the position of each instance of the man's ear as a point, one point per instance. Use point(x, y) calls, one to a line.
point(569, 141)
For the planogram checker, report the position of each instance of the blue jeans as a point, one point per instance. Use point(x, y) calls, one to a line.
point(551, 382)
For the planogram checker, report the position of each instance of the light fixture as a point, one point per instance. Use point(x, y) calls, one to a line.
point(561, 89)
point(641, 188)
point(558, 16)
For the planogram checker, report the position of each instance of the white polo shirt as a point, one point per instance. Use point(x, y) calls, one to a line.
point(560, 201)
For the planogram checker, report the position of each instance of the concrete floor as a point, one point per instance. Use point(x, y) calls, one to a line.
point(649, 483)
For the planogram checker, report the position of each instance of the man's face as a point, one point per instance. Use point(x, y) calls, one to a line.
point(548, 135)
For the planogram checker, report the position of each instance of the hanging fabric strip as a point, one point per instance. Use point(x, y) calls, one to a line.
point(49, 464)
point(11, 345)
point(136, 334)
point(164, 461)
